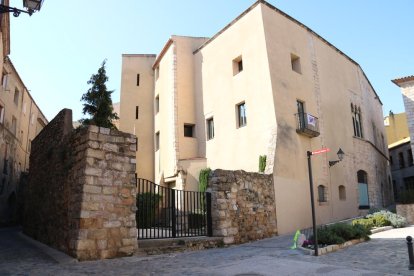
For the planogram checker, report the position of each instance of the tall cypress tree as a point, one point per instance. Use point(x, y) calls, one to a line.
point(98, 102)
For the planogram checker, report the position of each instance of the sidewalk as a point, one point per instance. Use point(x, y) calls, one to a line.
point(385, 254)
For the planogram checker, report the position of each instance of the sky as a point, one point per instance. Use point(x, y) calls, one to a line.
point(57, 49)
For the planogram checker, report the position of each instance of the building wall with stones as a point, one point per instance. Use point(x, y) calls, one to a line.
point(81, 190)
point(243, 205)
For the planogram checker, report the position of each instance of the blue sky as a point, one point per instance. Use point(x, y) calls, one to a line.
point(56, 50)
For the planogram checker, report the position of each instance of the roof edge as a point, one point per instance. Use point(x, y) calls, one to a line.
point(295, 21)
point(402, 80)
point(162, 53)
point(8, 60)
point(139, 55)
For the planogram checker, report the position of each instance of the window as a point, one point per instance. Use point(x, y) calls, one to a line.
point(14, 125)
point(157, 104)
point(189, 130)
point(4, 81)
point(301, 113)
point(295, 61)
point(356, 121)
point(241, 115)
point(409, 183)
point(237, 65)
point(157, 141)
point(137, 79)
point(362, 177)
point(210, 128)
point(1, 114)
point(401, 160)
point(322, 193)
point(342, 192)
point(136, 112)
point(16, 96)
point(410, 157)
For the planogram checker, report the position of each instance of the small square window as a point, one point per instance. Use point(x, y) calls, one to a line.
point(210, 128)
point(295, 60)
point(237, 65)
point(188, 130)
point(137, 79)
point(241, 115)
point(157, 104)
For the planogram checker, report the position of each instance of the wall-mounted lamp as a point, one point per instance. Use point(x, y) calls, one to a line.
point(30, 5)
point(340, 154)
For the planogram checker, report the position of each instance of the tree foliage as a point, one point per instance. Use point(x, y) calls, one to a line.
point(98, 102)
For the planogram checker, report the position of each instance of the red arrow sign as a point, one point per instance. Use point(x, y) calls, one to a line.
point(320, 151)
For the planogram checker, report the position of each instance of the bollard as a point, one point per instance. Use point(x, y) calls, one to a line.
point(410, 252)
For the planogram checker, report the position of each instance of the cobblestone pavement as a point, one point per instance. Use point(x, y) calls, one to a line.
point(385, 254)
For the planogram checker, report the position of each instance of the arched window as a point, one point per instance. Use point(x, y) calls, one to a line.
point(342, 192)
point(363, 189)
point(322, 193)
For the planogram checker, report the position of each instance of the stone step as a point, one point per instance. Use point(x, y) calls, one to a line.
point(162, 246)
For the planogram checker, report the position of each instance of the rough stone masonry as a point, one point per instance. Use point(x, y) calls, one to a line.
point(80, 197)
point(243, 206)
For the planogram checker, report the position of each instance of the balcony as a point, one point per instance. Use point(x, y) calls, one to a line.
point(307, 124)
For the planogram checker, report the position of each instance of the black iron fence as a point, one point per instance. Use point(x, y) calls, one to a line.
point(168, 213)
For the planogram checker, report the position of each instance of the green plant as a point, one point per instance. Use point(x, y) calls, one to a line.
point(203, 179)
point(395, 220)
point(367, 223)
point(340, 232)
point(147, 204)
point(98, 102)
point(262, 163)
point(381, 218)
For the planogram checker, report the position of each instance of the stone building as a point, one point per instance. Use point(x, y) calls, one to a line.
point(20, 121)
point(265, 84)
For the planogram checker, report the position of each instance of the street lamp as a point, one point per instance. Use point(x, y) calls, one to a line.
point(340, 154)
point(31, 6)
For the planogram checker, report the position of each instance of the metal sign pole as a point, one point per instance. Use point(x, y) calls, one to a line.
point(315, 233)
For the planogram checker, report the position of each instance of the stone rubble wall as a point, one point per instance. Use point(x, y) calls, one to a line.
point(243, 206)
point(81, 190)
point(407, 211)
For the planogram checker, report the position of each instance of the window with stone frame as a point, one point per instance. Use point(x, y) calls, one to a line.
point(357, 121)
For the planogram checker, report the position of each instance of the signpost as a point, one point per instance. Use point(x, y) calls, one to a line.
point(315, 233)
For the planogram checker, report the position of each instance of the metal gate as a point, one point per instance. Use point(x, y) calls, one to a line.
point(167, 213)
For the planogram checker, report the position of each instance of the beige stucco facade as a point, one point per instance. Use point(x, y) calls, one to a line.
point(396, 127)
point(265, 62)
point(137, 108)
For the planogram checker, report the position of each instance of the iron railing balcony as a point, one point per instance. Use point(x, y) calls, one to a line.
point(307, 124)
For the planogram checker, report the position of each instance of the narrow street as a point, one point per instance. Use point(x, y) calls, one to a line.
point(385, 254)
